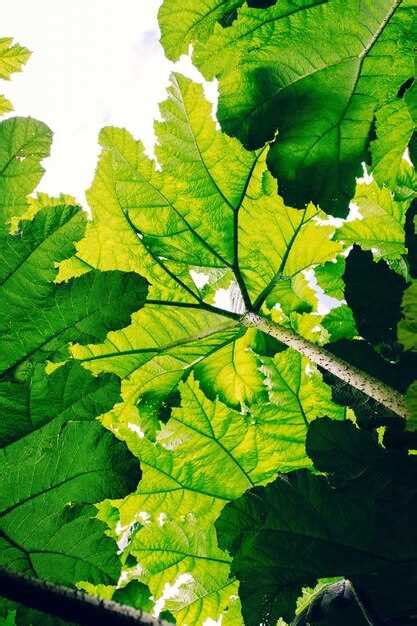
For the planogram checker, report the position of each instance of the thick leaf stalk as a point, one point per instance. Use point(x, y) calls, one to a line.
point(372, 387)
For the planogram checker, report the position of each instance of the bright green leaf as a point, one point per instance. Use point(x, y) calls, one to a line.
point(394, 128)
point(24, 143)
point(380, 227)
point(212, 209)
point(184, 21)
point(12, 57)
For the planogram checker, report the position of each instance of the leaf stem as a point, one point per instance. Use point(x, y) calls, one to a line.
point(70, 604)
point(203, 306)
point(388, 397)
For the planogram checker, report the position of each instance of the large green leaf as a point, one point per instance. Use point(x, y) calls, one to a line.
point(56, 460)
point(210, 210)
point(322, 104)
point(38, 318)
point(356, 523)
point(181, 478)
point(50, 480)
point(180, 470)
point(24, 143)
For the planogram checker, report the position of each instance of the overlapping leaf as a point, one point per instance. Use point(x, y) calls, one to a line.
point(211, 209)
point(50, 480)
point(38, 318)
point(70, 392)
point(395, 125)
point(181, 479)
point(56, 460)
point(184, 21)
point(355, 523)
point(322, 104)
point(380, 227)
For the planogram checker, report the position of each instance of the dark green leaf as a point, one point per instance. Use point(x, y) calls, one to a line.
point(322, 103)
point(356, 523)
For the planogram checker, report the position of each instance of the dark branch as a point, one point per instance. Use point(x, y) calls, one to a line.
point(70, 604)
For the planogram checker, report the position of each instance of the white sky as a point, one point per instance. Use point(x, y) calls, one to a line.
point(94, 63)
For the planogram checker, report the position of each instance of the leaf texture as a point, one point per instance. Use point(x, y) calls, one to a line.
point(343, 522)
point(360, 54)
point(24, 143)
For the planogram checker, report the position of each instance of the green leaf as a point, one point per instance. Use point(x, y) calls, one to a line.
point(24, 143)
point(56, 461)
point(394, 128)
point(163, 344)
point(184, 21)
point(51, 478)
point(340, 324)
point(297, 395)
point(354, 523)
point(330, 277)
point(181, 476)
point(38, 318)
point(211, 209)
point(70, 392)
point(28, 257)
point(180, 471)
point(135, 594)
point(188, 555)
point(407, 327)
point(359, 56)
point(380, 227)
point(12, 57)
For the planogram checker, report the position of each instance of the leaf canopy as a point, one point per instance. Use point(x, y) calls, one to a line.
point(198, 389)
point(140, 327)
